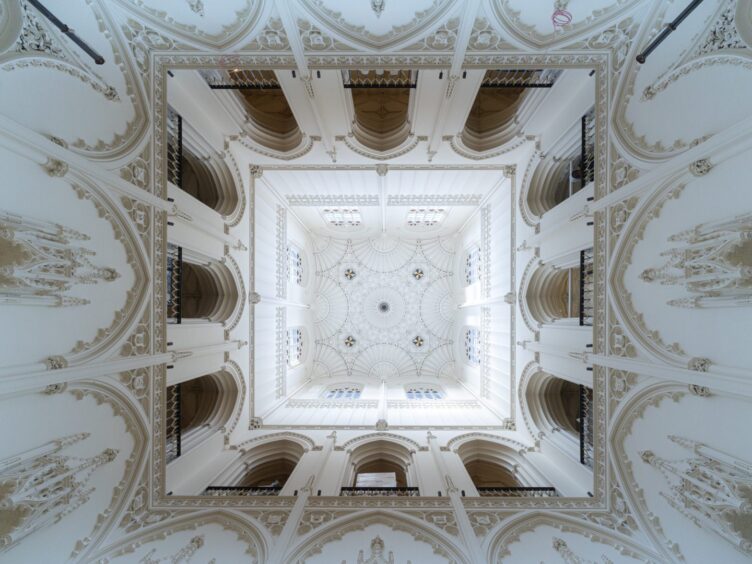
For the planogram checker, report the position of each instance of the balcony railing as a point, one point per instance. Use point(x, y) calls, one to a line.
point(174, 284)
point(241, 79)
point(516, 78)
point(172, 423)
point(587, 287)
point(587, 148)
point(517, 492)
point(389, 492)
point(586, 426)
point(174, 148)
point(224, 491)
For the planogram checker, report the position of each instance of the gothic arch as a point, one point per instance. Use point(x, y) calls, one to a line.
point(206, 405)
point(211, 290)
point(491, 463)
point(547, 294)
point(243, 527)
point(263, 464)
point(336, 529)
point(381, 455)
point(498, 548)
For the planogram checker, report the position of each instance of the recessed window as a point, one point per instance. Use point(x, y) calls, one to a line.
point(294, 265)
point(423, 393)
point(294, 346)
point(343, 392)
point(425, 217)
point(342, 217)
point(472, 265)
point(472, 345)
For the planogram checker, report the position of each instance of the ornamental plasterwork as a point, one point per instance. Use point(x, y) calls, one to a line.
point(359, 35)
point(442, 39)
point(622, 259)
point(332, 404)
point(242, 528)
point(318, 200)
point(501, 545)
point(242, 22)
point(709, 488)
point(305, 146)
point(123, 408)
point(280, 238)
point(313, 519)
point(124, 317)
point(530, 36)
point(434, 200)
point(272, 38)
point(386, 296)
point(630, 413)
point(38, 45)
point(421, 533)
point(638, 144)
point(280, 356)
point(352, 143)
point(35, 270)
point(720, 35)
point(45, 484)
point(314, 39)
point(433, 404)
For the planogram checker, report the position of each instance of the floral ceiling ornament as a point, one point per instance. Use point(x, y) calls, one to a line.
point(418, 274)
point(350, 274)
point(377, 554)
point(418, 341)
point(378, 7)
point(350, 341)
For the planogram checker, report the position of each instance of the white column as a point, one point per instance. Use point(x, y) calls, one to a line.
point(463, 522)
point(285, 539)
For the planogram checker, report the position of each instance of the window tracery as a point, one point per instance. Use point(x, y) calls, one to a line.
point(423, 393)
point(472, 265)
point(425, 217)
point(472, 345)
point(295, 268)
point(294, 346)
point(343, 217)
point(343, 392)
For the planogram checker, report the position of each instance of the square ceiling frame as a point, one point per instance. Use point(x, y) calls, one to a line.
point(160, 62)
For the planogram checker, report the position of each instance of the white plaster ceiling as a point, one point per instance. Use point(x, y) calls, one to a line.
point(457, 192)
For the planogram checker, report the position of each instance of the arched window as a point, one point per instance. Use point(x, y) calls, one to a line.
point(263, 470)
point(500, 470)
point(563, 410)
point(424, 218)
point(295, 265)
point(345, 218)
point(472, 345)
point(343, 392)
point(472, 265)
point(380, 467)
point(196, 409)
point(205, 291)
point(423, 393)
point(294, 346)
